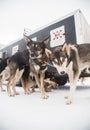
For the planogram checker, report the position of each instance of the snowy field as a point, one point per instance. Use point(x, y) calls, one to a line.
point(31, 112)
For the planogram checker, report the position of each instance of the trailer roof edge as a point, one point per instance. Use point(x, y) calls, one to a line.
point(40, 28)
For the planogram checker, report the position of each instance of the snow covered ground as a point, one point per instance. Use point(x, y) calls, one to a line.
point(31, 112)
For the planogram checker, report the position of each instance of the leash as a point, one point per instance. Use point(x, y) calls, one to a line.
point(42, 60)
point(49, 64)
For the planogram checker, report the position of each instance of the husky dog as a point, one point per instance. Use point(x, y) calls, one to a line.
point(4, 72)
point(4, 75)
point(38, 61)
point(71, 59)
point(20, 70)
point(17, 64)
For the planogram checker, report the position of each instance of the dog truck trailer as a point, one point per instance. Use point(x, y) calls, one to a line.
point(72, 28)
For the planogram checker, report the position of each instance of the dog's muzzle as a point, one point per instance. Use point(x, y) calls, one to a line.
point(61, 72)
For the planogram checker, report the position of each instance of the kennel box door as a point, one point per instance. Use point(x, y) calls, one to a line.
point(57, 36)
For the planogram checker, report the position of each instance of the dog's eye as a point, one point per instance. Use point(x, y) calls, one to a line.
point(62, 59)
point(37, 49)
point(55, 61)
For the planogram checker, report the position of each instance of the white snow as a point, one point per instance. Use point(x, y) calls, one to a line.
point(31, 112)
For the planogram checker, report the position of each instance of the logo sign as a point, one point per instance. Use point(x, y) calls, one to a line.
point(57, 37)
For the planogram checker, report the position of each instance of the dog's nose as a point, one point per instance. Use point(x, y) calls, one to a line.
point(62, 72)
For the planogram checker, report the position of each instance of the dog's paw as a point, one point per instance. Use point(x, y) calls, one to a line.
point(16, 93)
point(27, 93)
point(66, 97)
point(33, 90)
point(45, 97)
point(11, 95)
point(68, 102)
point(3, 90)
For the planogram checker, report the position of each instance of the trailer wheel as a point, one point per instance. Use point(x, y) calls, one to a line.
point(61, 80)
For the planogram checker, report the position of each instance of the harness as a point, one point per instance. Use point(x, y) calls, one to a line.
point(42, 61)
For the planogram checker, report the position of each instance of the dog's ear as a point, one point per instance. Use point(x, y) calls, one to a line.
point(46, 41)
point(27, 40)
point(48, 52)
point(66, 48)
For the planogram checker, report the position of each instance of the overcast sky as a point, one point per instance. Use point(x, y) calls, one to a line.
point(15, 15)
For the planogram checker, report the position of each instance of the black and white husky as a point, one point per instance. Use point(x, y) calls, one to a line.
point(71, 59)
